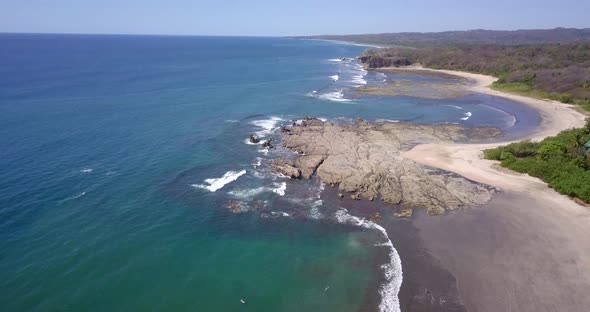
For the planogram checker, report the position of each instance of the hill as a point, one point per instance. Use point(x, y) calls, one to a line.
point(478, 36)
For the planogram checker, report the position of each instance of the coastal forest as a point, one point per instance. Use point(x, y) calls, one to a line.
point(547, 63)
point(557, 71)
point(563, 161)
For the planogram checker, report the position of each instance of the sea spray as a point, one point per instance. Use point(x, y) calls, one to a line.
point(267, 125)
point(280, 188)
point(217, 183)
point(393, 270)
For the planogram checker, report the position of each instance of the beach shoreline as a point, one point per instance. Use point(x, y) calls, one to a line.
point(527, 249)
point(467, 159)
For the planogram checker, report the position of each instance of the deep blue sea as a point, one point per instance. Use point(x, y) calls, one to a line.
point(120, 154)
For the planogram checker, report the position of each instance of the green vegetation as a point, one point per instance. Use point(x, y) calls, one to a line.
point(477, 36)
point(528, 90)
point(562, 161)
point(552, 71)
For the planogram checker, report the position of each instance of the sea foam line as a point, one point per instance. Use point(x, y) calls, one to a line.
point(218, 183)
point(513, 119)
point(393, 270)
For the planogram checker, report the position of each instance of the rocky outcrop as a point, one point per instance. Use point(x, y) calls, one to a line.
point(253, 139)
point(379, 61)
point(287, 168)
point(364, 160)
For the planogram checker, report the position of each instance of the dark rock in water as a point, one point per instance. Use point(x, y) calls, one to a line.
point(287, 168)
point(268, 143)
point(285, 130)
point(356, 196)
point(254, 139)
point(375, 217)
point(235, 207)
point(360, 122)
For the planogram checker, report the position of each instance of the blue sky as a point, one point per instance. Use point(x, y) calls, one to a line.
point(278, 17)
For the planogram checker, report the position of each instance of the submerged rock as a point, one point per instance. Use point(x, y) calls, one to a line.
point(236, 207)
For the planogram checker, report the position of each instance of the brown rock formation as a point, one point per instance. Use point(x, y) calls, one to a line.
point(364, 160)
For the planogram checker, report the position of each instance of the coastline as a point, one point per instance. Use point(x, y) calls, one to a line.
point(466, 159)
point(527, 249)
point(347, 42)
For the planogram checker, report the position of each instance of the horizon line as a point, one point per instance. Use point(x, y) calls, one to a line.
point(278, 36)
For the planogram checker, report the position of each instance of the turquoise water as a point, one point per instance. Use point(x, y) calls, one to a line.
point(106, 146)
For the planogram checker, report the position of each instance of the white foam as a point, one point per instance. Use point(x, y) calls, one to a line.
point(387, 120)
point(336, 96)
point(264, 151)
point(260, 142)
point(359, 79)
point(231, 120)
point(217, 183)
point(280, 188)
point(335, 77)
point(314, 212)
point(381, 75)
point(511, 122)
point(248, 193)
point(87, 170)
point(467, 115)
point(511, 119)
point(72, 197)
point(335, 60)
point(454, 106)
point(323, 119)
point(258, 162)
point(393, 270)
point(268, 126)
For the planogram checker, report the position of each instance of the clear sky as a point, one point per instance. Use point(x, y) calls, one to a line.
point(278, 17)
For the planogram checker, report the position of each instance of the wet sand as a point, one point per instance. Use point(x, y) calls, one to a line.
point(526, 250)
point(515, 253)
point(427, 285)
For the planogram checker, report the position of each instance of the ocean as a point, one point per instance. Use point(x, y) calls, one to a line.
point(119, 156)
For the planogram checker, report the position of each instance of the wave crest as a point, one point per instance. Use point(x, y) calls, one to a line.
point(218, 183)
point(393, 270)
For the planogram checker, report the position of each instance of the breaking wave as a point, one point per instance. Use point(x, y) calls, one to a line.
point(510, 119)
point(218, 183)
point(267, 125)
point(280, 188)
point(359, 79)
point(387, 120)
point(336, 96)
point(393, 270)
point(334, 77)
point(467, 116)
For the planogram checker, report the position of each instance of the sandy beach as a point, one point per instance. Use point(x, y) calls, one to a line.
point(526, 250)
